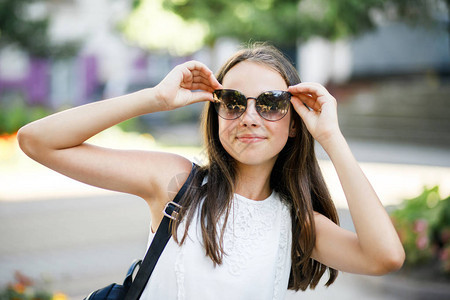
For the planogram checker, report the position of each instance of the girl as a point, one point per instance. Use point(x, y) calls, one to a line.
point(258, 218)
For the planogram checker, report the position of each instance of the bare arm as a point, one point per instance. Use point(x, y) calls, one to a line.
point(58, 141)
point(375, 248)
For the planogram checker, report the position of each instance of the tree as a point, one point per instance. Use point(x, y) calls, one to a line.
point(283, 22)
point(20, 25)
point(151, 26)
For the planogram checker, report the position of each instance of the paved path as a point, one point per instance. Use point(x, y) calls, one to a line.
point(77, 245)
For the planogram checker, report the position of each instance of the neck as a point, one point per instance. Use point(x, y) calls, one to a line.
point(253, 182)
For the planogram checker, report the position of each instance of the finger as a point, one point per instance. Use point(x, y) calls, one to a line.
point(300, 107)
point(188, 77)
point(201, 79)
point(194, 80)
point(199, 73)
point(201, 96)
point(201, 86)
point(314, 89)
point(200, 69)
point(200, 82)
point(196, 65)
point(208, 80)
point(309, 87)
point(310, 102)
point(193, 68)
point(215, 84)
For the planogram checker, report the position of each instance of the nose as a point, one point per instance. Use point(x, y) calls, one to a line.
point(250, 118)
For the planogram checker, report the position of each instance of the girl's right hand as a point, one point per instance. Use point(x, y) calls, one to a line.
point(187, 83)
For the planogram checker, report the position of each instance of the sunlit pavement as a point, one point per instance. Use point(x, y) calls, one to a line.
point(81, 238)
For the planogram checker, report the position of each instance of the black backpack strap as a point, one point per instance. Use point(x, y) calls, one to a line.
point(162, 236)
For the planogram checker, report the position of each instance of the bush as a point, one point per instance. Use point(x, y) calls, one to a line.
point(24, 288)
point(423, 225)
point(14, 113)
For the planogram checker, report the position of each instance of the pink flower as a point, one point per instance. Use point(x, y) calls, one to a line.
point(422, 242)
point(445, 254)
point(420, 225)
point(445, 235)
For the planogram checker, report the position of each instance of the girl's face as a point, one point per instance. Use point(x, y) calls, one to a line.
point(250, 139)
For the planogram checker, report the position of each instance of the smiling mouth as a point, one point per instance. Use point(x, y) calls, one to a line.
point(250, 139)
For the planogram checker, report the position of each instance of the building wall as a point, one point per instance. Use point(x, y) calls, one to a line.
point(393, 48)
point(396, 48)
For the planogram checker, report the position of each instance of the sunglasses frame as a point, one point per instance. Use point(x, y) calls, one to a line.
point(218, 101)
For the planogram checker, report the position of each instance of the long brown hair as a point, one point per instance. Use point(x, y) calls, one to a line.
point(296, 177)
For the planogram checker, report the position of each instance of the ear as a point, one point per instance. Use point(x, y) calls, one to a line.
point(292, 128)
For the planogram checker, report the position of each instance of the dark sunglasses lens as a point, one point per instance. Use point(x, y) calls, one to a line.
point(229, 104)
point(273, 105)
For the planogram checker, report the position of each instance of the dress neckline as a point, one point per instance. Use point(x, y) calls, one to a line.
point(256, 202)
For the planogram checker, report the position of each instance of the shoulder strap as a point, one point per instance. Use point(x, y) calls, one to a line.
point(162, 236)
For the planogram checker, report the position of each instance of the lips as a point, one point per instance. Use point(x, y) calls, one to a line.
point(250, 138)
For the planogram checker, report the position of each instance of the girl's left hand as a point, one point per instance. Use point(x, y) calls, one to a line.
point(318, 109)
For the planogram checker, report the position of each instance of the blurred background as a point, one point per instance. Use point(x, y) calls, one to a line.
point(386, 61)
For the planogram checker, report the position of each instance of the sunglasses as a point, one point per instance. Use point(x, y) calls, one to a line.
point(271, 105)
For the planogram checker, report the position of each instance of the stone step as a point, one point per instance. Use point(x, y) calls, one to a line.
point(394, 122)
point(405, 112)
point(401, 110)
point(424, 130)
point(408, 105)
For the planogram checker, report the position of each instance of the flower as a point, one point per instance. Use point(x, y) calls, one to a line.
point(445, 235)
point(444, 254)
point(420, 225)
point(18, 287)
point(422, 242)
point(59, 296)
point(24, 288)
point(22, 279)
point(424, 229)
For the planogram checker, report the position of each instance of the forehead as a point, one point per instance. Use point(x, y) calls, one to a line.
point(252, 78)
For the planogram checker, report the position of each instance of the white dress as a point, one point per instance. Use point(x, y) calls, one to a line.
point(256, 264)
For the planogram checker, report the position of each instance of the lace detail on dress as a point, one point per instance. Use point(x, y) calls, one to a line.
point(245, 231)
point(284, 248)
point(179, 274)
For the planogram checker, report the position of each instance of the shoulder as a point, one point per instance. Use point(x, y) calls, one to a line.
point(163, 173)
point(324, 224)
point(319, 218)
point(170, 170)
point(167, 173)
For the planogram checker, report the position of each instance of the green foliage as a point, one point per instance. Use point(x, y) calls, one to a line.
point(284, 21)
point(151, 26)
point(131, 125)
point(13, 293)
point(14, 113)
point(30, 33)
point(423, 225)
point(24, 288)
point(183, 115)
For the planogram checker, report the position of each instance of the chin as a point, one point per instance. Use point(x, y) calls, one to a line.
point(254, 159)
